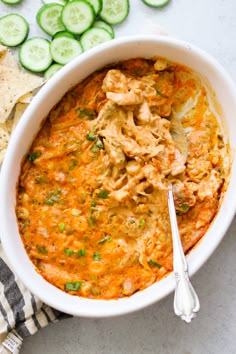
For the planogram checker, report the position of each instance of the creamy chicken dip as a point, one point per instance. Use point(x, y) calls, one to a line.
point(92, 193)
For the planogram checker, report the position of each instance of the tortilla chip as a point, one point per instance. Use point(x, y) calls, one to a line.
point(14, 84)
point(7, 128)
point(20, 108)
point(4, 137)
point(3, 51)
point(27, 98)
point(17, 88)
point(6, 58)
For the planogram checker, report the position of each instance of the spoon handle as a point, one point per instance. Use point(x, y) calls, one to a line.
point(186, 302)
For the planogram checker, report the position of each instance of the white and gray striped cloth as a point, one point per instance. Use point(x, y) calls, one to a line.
point(21, 313)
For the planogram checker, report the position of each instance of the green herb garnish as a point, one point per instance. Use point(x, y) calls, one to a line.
point(103, 194)
point(161, 94)
point(91, 221)
point(41, 249)
point(141, 223)
point(155, 264)
point(105, 239)
point(99, 144)
point(53, 196)
point(73, 286)
point(68, 251)
point(182, 208)
point(93, 203)
point(91, 137)
point(82, 252)
point(75, 212)
point(48, 201)
point(26, 223)
point(97, 256)
point(34, 156)
point(85, 113)
point(61, 226)
point(41, 180)
point(73, 164)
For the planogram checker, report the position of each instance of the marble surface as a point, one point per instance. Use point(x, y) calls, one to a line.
point(210, 24)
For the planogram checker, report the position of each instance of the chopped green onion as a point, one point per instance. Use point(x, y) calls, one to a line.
point(99, 144)
point(91, 137)
point(91, 221)
point(34, 156)
point(75, 212)
point(48, 201)
point(26, 223)
point(97, 256)
point(82, 252)
point(132, 221)
point(85, 113)
point(68, 251)
point(41, 180)
point(94, 148)
point(74, 163)
point(73, 286)
point(141, 223)
point(184, 207)
point(61, 226)
point(82, 198)
point(161, 94)
point(41, 249)
point(103, 240)
point(103, 194)
point(155, 264)
point(93, 203)
point(53, 196)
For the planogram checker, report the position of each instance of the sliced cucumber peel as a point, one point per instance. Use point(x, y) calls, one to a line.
point(64, 49)
point(156, 3)
point(114, 11)
point(78, 16)
point(49, 18)
point(14, 29)
point(35, 55)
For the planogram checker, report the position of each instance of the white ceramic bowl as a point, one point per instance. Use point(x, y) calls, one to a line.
point(49, 95)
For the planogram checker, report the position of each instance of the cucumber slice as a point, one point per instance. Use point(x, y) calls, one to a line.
point(78, 16)
point(104, 25)
point(64, 49)
point(14, 29)
point(114, 11)
point(49, 18)
point(156, 3)
point(63, 34)
point(61, 2)
point(11, 2)
point(52, 70)
point(97, 5)
point(93, 37)
point(35, 55)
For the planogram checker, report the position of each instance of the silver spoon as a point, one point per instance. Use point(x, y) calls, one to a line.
point(186, 302)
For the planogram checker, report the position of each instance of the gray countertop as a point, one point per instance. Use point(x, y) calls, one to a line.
point(210, 24)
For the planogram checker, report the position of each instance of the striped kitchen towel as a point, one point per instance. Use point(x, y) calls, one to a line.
point(21, 313)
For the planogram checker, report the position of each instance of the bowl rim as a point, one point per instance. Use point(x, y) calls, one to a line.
point(158, 290)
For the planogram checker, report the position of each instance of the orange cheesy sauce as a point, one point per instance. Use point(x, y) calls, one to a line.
point(91, 198)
